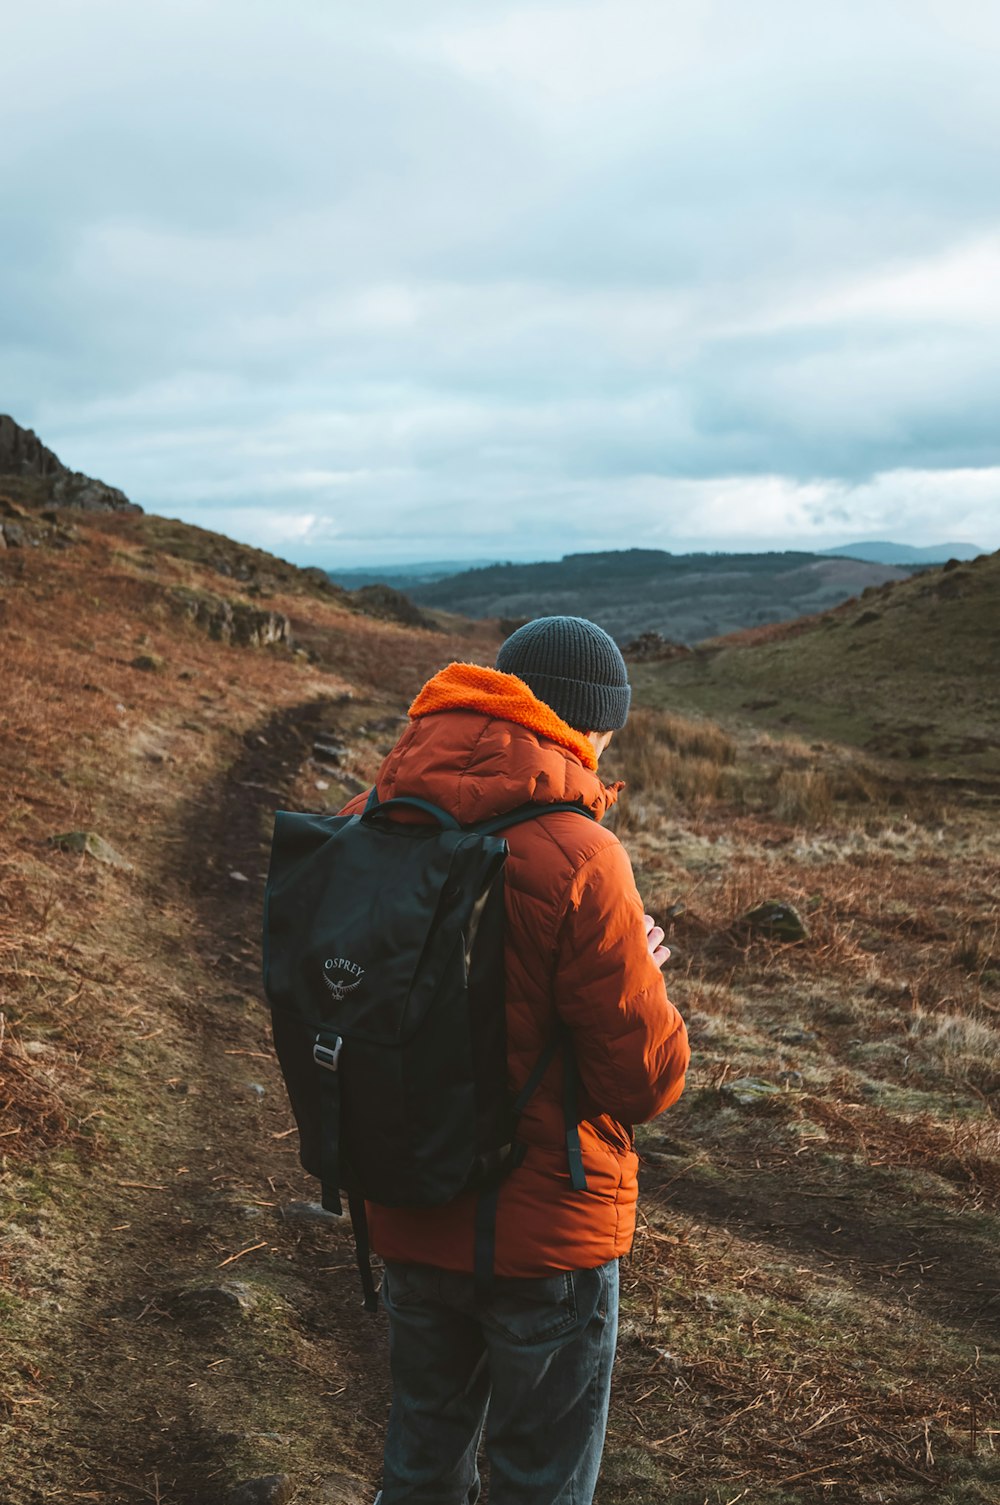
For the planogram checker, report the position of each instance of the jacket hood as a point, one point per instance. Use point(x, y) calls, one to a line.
point(480, 743)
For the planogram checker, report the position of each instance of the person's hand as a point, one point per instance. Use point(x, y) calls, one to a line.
point(654, 940)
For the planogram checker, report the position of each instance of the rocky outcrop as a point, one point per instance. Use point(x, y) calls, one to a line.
point(391, 606)
point(233, 621)
point(22, 453)
point(41, 479)
point(652, 645)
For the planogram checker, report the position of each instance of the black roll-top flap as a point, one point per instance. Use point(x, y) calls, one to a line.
point(362, 918)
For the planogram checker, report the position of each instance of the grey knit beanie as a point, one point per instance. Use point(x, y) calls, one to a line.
point(574, 667)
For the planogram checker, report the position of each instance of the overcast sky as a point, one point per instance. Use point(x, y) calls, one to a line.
point(411, 279)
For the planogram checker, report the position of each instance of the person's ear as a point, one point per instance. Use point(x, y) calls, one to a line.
point(600, 740)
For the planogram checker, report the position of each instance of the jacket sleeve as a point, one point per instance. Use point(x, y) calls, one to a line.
point(630, 1041)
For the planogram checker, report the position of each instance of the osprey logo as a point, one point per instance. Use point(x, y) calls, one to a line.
point(340, 986)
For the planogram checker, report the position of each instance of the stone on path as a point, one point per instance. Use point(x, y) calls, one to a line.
point(88, 843)
point(227, 1297)
point(307, 1212)
point(268, 1489)
point(343, 1489)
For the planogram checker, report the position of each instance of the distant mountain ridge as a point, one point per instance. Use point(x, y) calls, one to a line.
point(882, 551)
point(404, 576)
point(684, 597)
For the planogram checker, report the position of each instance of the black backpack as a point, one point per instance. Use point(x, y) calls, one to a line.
point(384, 968)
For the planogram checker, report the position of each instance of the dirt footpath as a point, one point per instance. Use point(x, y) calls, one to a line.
point(189, 1328)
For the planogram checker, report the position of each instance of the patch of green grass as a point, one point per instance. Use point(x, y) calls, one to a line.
point(875, 674)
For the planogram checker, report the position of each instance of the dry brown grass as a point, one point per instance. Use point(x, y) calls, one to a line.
point(803, 797)
point(807, 1296)
point(732, 1371)
point(671, 759)
point(802, 1314)
point(80, 723)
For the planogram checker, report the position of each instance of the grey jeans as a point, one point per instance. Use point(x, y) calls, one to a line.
point(531, 1367)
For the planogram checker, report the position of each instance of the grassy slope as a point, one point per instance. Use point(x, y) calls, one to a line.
point(808, 1311)
point(908, 671)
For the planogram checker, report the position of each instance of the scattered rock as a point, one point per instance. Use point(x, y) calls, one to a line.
point(307, 1212)
point(228, 1298)
point(776, 919)
point(88, 843)
point(791, 1079)
point(151, 662)
point(329, 752)
point(269, 1489)
point(343, 1489)
point(749, 1091)
point(239, 877)
point(797, 1036)
point(256, 1091)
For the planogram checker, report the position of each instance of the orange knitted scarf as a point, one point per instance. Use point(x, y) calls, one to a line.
point(469, 687)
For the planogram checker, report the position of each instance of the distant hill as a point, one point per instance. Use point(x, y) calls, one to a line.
point(883, 552)
point(685, 597)
point(404, 576)
point(907, 672)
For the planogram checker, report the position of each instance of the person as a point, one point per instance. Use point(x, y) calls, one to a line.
point(528, 1369)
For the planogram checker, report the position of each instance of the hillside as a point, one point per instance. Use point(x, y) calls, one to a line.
point(685, 597)
point(809, 1310)
point(908, 672)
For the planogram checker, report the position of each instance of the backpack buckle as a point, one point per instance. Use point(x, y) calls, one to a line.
point(327, 1056)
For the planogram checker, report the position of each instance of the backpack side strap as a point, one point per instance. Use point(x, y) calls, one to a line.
point(486, 1202)
point(362, 1250)
point(326, 1058)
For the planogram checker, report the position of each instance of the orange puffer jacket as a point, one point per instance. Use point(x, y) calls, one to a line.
point(480, 743)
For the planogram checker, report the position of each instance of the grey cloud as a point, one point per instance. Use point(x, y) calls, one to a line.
point(317, 266)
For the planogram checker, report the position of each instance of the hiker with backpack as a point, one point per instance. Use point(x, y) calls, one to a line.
point(470, 1014)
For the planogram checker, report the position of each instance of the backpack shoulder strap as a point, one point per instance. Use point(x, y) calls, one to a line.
point(521, 813)
point(374, 806)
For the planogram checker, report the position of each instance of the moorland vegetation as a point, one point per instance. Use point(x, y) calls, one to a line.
point(810, 1309)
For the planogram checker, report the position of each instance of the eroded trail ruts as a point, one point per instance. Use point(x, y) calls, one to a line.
point(909, 1258)
point(214, 1340)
